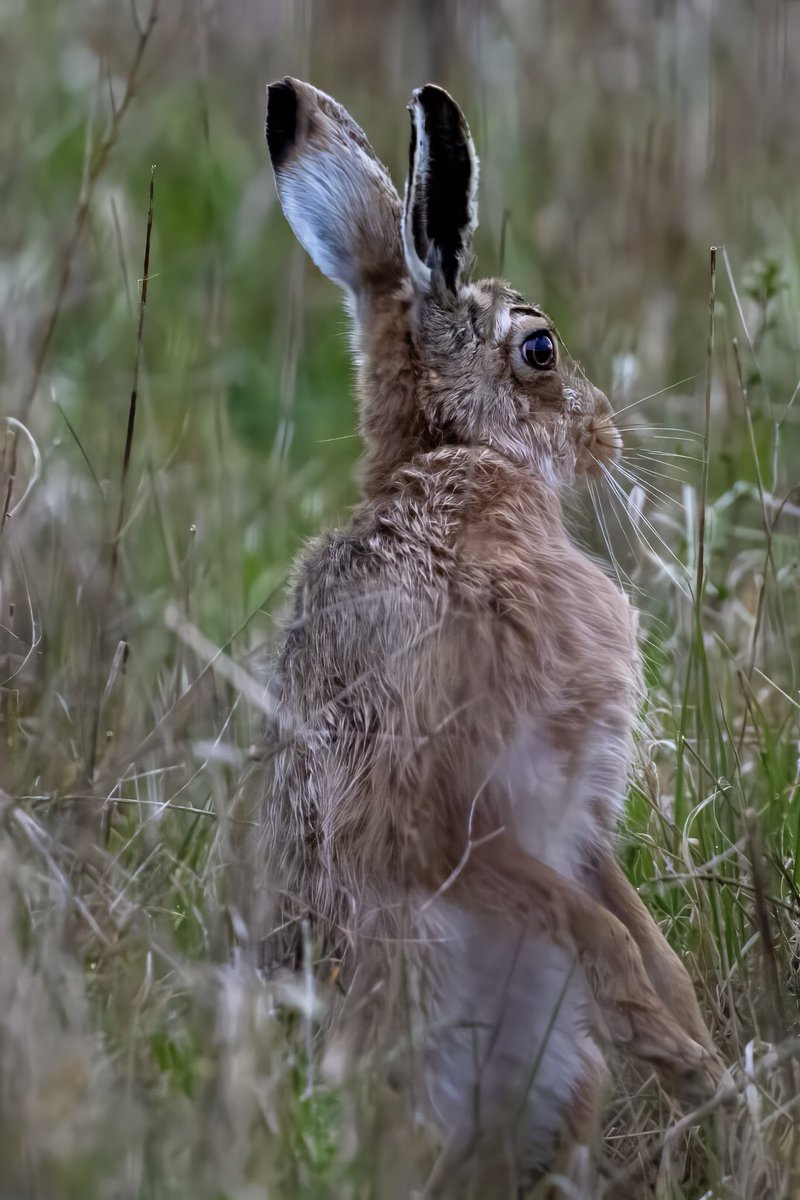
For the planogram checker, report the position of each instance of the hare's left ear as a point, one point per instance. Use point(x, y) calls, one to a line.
point(441, 206)
point(337, 197)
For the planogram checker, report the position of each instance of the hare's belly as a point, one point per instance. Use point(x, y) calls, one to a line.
point(553, 799)
point(510, 1045)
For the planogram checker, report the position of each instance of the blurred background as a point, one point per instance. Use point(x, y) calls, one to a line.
point(619, 140)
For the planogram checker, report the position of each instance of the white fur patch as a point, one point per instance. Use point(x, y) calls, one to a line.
point(502, 324)
point(573, 400)
point(550, 793)
point(511, 1040)
point(472, 198)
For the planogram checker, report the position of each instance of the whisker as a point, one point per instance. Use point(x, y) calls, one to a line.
point(632, 523)
point(638, 467)
point(650, 490)
point(664, 566)
point(629, 475)
point(631, 547)
point(689, 379)
point(593, 499)
point(617, 497)
point(648, 471)
point(652, 437)
point(653, 463)
point(667, 454)
point(663, 430)
point(618, 571)
point(645, 489)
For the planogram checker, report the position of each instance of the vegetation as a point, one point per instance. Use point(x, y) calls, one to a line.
point(177, 417)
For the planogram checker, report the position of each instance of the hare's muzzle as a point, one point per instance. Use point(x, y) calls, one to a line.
point(603, 438)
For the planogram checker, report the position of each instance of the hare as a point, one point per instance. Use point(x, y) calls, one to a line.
point(459, 682)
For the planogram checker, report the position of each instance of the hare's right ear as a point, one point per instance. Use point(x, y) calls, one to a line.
point(441, 205)
point(337, 197)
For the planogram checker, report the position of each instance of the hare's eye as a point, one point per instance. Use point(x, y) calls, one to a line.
point(539, 351)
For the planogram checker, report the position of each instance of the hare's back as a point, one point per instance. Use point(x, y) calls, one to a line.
point(362, 602)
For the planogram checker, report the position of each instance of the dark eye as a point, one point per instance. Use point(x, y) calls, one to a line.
point(539, 351)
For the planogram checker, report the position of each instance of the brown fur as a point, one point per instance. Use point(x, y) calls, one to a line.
point(451, 612)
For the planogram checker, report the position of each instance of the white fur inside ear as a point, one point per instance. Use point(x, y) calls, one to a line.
point(419, 271)
point(329, 203)
point(472, 198)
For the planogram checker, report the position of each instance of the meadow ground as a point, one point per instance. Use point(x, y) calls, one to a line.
point(158, 479)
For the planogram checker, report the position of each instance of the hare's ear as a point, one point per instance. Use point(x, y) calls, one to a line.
point(441, 207)
point(337, 197)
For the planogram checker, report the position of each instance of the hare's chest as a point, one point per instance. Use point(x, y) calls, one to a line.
point(558, 802)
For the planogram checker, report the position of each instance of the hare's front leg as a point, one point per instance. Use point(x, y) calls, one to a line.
point(665, 970)
point(495, 874)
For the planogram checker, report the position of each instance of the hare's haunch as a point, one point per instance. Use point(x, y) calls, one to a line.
point(459, 683)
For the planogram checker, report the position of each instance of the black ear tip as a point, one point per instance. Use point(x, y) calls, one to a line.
point(433, 92)
point(440, 109)
point(282, 106)
point(433, 97)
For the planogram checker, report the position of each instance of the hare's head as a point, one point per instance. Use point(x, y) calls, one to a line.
point(443, 360)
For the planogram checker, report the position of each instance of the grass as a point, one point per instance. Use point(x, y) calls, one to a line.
point(142, 560)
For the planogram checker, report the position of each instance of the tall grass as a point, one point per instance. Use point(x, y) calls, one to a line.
point(142, 560)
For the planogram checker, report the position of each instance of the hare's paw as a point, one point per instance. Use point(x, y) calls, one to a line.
point(693, 1082)
point(643, 1029)
point(674, 1040)
point(640, 1027)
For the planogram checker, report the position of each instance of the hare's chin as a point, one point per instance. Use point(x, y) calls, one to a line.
point(599, 455)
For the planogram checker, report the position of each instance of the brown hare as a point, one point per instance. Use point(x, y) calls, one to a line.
point(459, 683)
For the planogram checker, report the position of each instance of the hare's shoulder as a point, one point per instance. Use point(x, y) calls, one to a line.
point(408, 535)
point(462, 534)
point(456, 524)
point(362, 591)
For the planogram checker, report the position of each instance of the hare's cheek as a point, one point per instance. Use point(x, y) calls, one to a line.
point(587, 463)
point(572, 401)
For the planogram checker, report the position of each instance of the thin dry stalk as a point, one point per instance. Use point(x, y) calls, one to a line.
point(93, 168)
point(727, 1096)
point(776, 1006)
point(701, 529)
point(126, 460)
point(762, 590)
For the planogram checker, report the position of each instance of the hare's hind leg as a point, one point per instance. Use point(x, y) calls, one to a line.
point(497, 875)
point(664, 969)
point(573, 1172)
point(457, 1150)
point(464, 1172)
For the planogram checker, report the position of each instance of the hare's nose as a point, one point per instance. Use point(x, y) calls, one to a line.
point(605, 437)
